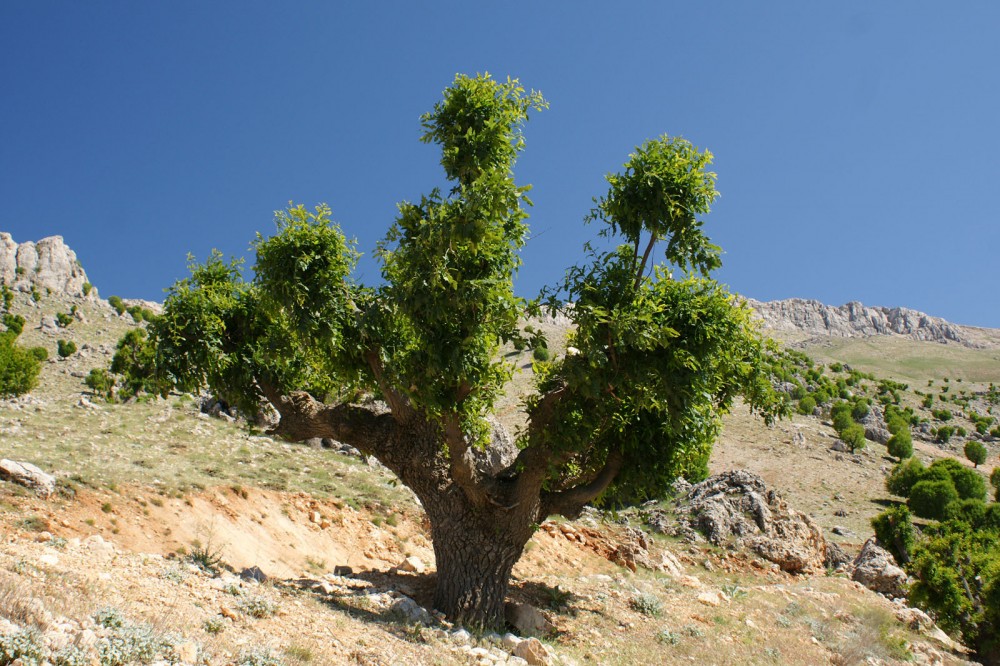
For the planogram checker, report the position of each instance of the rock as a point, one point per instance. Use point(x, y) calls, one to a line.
point(411, 611)
point(509, 641)
point(411, 565)
point(48, 264)
point(875, 568)
point(26, 474)
point(875, 426)
point(501, 450)
point(914, 618)
point(710, 598)
point(460, 635)
point(737, 508)
point(342, 570)
point(533, 652)
point(835, 557)
point(253, 573)
point(670, 565)
point(840, 530)
point(187, 652)
point(527, 619)
point(633, 550)
point(856, 320)
point(840, 446)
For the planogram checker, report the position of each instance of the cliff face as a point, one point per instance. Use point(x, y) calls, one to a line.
point(48, 264)
point(857, 320)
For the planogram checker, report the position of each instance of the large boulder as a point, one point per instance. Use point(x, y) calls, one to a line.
point(875, 568)
point(737, 509)
point(28, 475)
point(501, 451)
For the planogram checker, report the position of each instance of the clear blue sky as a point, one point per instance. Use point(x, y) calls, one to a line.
point(857, 144)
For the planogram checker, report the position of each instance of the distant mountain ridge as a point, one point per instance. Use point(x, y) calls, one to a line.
point(854, 319)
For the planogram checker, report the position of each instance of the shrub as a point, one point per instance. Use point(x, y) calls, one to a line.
point(894, 530)
point(942, 414)
point(860, 409)
point(995, 432)
point(257, 607)
point(943, 434)
point(101, 383)
point(25, 645)
point(87, 288)
point(995, 481)
point(836, 367)
point(928, 499)
point(540, 353)
point(807, 405)
point(19, 367)
point(900, 445)
point(970, 511)
point(117, 304)
point(842, 421)
point(854, 436)
point(63, 319)
point(13, 323)
point(969, 483)
point(65, 348)
point(41, 354)
point(798, 392)
point(138, 314)
point(975, 452)
point(928, 401)
point(647, 604)
point(904, 476)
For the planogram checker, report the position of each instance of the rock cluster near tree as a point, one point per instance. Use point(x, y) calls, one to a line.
point(854, 320)
point(48, 264)
point(737, 509)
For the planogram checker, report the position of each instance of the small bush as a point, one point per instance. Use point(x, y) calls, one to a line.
point(257, 657)
point(63, 319)
point(807, 405)
point(117, 304)
point(647, 604)
point(87, 288)
point(65, 348)
point(13, 323)
point(943, 434)
point(101, 383)
point(109, 617)
point(860, 409)
point(257, 607)
point(854, 436)
point(540, 353)
point(25, 645)
point(928, 499)
point(975, 452)
point(894, 530)
point(900, 445)
point(19, 367)
point(942, 414)
point(41, 354)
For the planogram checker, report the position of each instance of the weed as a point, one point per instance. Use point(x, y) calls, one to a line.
point(668, 637)
point(25, 645)
point(33, 524)
point(214, 625)
point(318, 566)
point(109, 617)
point(257, 656)
point(300, 653)
point(647, 604)
point(734, 591)
point(257, 607)
point(107, 508)
point(693, 631)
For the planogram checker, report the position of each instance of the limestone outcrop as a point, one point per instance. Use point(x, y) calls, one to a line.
point(48, 265)
point(854, 320)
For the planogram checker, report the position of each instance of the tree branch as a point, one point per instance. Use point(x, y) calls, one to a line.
point(570, 502)
point(462, 465)
point(400, 405)
point(645, 257)
point(303, 417)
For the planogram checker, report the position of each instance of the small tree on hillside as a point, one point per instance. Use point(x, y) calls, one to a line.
point(975, 452)
point(658, 358)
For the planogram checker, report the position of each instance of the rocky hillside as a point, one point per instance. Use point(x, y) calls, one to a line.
point(855, 319)
point(48, 266)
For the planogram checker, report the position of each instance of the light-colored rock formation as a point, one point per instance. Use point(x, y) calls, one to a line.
point(876, 569)
point(854, 320)
point(46, 265)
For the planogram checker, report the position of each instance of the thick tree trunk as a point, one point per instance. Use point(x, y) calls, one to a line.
point(475, 551)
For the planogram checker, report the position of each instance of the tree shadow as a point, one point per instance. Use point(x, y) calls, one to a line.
point(545, 597)
point(886, 503)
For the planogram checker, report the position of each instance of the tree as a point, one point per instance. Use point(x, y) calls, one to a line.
point(409, 371)
point(900, 445)
point(975, 452)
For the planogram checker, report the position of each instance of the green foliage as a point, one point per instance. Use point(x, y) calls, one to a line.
point(942, 414)
point(943, 434)
point(134, 366)
point(928, 499)
point(63, 320)
point(928, 401)
point(8, 296)
point(13, 323)
point(836, 367)
point(19, 367)
point(540, 353)
point(807, 405)
point(41, 354)
point(904, 476)
point(65, 348)
point(900, 445)
point(860, 409)
point(87, 288)
point(100, 381)
point(25, 645)
point(854, 436)
point(894, 530)
point(995, 479)
point(975, 452)
point(117, 304)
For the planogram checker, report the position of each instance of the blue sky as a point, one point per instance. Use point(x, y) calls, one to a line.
point(857, 144)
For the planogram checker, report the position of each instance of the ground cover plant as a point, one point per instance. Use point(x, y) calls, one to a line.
point(659, 350)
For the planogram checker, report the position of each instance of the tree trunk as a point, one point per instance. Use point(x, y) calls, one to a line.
point(475, 552)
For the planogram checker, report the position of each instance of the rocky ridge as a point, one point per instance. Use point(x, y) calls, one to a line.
point(47, 265)
point(855, 319)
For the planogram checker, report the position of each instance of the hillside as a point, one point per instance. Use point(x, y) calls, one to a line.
point(161, 505)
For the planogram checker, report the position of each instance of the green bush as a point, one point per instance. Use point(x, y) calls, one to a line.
point(900, 445)
point(942, 414)
point(943, 434)
point(969, 483)
point(40, 353)
point(807, 405)
point(63, 319)
point(65, 348)
point(995, 481)
point(19, 367)
point(13, 323)
point(540, 353)
point(975, 452)
point(928, 499)
point(87, 288)
point(904, 476)
point(894, 530)
point(860, 409)
point(842, 421)
point(798, 392)
point(970, 511)
point(854, 436)
point(117, 304)
point(101, 383)
point(928, 401)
